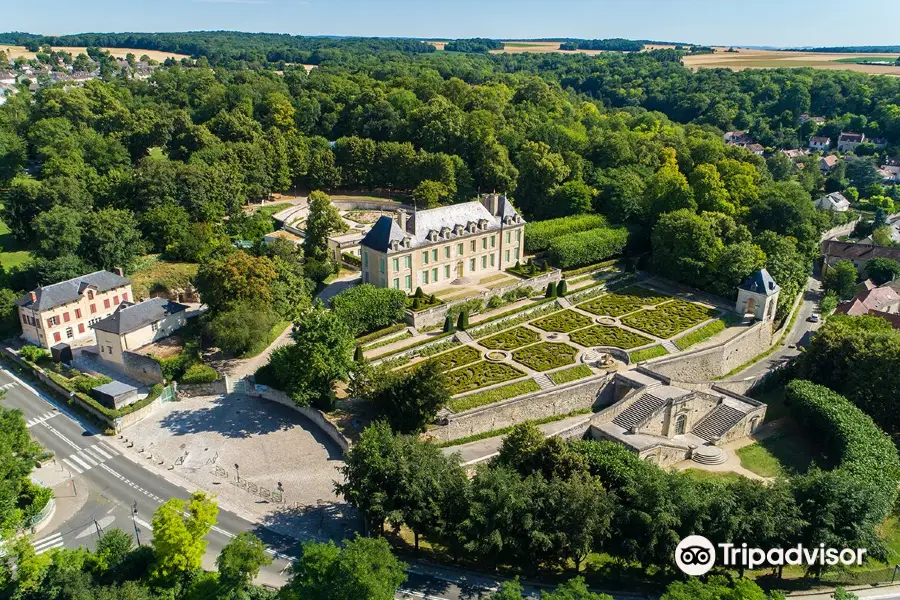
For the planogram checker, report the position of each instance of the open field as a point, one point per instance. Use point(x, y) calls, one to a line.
point(514, 46)
point(14, 51)
point(771, 59)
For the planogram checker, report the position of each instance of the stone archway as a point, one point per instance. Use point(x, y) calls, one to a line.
point(680, 424)
point(754, 423)
point(750, 307)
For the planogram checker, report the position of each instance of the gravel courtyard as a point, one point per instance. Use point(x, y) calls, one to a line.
point(202, 439)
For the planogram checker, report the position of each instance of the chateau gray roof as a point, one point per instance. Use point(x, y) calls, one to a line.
point(64, 292)
point(761, 283)
point(131, 317)
point(438, 220)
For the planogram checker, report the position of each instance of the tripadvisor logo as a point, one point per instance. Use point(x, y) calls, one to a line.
point(696, 555)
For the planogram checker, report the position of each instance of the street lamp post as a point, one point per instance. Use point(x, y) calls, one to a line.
point(134, 512)
point(237, 472)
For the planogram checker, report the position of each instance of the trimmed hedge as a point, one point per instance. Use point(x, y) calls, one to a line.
point(594, 245)
point(539, 234)
point(847, 436)
point(371, 337)
point(199, 373)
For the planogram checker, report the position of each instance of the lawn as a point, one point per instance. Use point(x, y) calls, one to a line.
point(706, 332)
point(11, 252)
point(783, 454)
point(624, 301)
point(456, 358)
point(479, 375)
point(495, 395)
point(723, 477)
point(646, 354)
point(512, 339)
point(670, 318)
point(154, 274)
point(270, 209)
point(609, 335)
point(563, 321)
point(545, 356)
point(573, 374)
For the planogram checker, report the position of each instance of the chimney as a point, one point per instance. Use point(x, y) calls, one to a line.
point(402, 219)
point(492, 203)
point(33, 296)
point(118, 271)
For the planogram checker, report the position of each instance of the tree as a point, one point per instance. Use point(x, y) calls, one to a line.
point(685, 245)
point(111, 239)
point(429, 194)
point(58, 232)
point(862, 172)
point(709, 190)
point(239, 563)
point(236, 278)
point(178, 544)
point(363, 569)
point(572, 198)
point(323, 221)
point(582, 517)
point(113, 548)
point(322, 353)
point(881, 270)
point(841, 279)
point(668, 189)
point(241, 325)
point(540, 170)
point(574, 589)
point(733, 265)
point(411, 401)
point(364, 308)
point(883, 236)
point(716, 588)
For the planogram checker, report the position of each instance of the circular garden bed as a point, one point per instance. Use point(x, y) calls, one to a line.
point(496, 356)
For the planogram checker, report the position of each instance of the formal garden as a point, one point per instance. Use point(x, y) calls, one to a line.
point(563, 321)
point(670, 318)
point(456, 358)
point(622, 302)
point(545, 356)
point(608, 335)
point(511, 340)
point(480, 375)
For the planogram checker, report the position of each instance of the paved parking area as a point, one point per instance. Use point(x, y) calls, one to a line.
point(241, 448)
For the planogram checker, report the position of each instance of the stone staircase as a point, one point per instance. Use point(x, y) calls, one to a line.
point(670, 346)
point(464, 337)
point(642, 408)
point(717, 423)
point(564, 302)
point(543, 381)
point(709, 455)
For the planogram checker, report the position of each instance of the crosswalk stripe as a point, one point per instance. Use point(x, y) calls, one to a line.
point(71, 466)
point(59, 544)
point(89, 453)
point(109, 449)
point(80, 461)
point(86, 456)
point(99, 450)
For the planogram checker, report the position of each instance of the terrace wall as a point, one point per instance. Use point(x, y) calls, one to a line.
point(431, 317)
point(716, 361)
point(552, 402)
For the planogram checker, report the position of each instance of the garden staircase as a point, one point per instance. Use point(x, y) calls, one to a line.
point(670, 346)
point(543, 381)
point(718, 422)
point(635, 414)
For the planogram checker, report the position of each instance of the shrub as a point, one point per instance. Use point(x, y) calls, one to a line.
point(85, 383)
point(545, 356)
point(241, 327)
point(539, 234)
point(512, 339)
point(594, 245)
point(448, 324)
point(199, 373)
point(480, 375)
point(495, 302)
point(563, 321)
point(561, 288)
point(551, 291)
point(365, 308)
point(384, 332)
point(456, 358)
point(34, 354)
point(419, 293)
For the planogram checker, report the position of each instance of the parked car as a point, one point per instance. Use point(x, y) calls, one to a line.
point(814, 318)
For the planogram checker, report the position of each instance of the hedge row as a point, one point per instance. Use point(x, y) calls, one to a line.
point(851, 439)
point(539, 234)
point(594, 245)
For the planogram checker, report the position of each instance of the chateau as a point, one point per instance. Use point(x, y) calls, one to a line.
point(432, 248)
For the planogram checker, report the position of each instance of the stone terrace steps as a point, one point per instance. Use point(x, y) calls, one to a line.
point(543, 381)
point(642, 408)
point(709, 455)
point(670, 346)
point(718, 422)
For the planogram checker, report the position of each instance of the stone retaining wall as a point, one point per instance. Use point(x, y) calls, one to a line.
point(314, 415)
point(431, 317)
point(715, 361)
point(552, 402)
point(216, 388)
point(143, 368)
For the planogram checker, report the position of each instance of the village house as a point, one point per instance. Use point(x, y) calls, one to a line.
point(873, 299)
point(437, 246)
point(64, 311)
point(817, 120)
point(835, 202)
point(858, 254)
point(827, 163)
point(847, 141)
point(795, 155)
point(821, 143)
point(132, 326)
point(738, 138)
point(890, 174)
point(756, 149)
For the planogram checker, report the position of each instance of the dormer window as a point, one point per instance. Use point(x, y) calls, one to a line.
point(395, 245)
point(90, 294)
point(445, 233)
point(406, 242)
point(432, 236)
point(459, 229)
point(483, 224)
point(472, 227)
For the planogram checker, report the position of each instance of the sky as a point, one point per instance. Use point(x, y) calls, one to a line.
point(721, 22)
